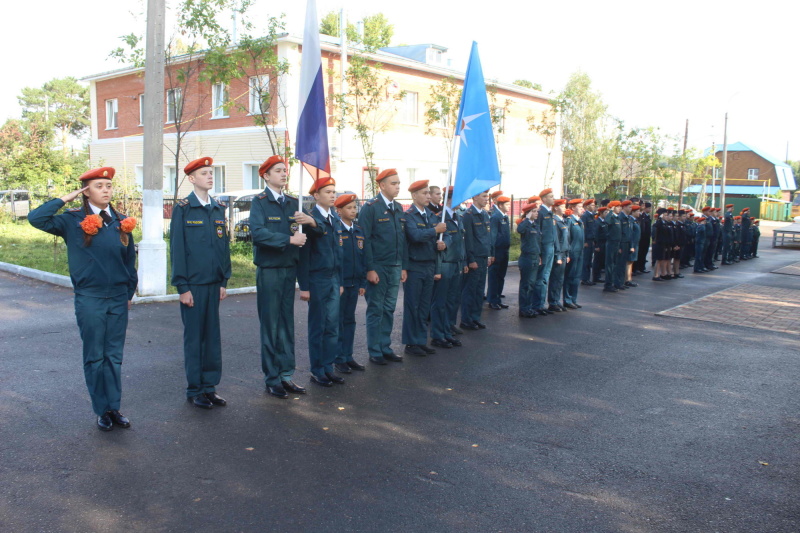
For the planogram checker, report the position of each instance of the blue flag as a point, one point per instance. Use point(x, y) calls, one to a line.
point(476, 168)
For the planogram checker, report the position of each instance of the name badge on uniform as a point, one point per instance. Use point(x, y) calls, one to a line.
point(194, 222)
point(383, 220)
point(274, 219)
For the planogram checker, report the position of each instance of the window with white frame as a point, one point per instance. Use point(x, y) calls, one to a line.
point(408, 108)
point(252, 180)
point(138, 175)
point(112, 110)
point(169, 179)
point(259, 95)
point(219, 179)
point(141, 109)
point(219, 100)
point(752, 173)
point(174, 105)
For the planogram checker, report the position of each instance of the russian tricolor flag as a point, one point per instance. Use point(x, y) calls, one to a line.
point(312, 126)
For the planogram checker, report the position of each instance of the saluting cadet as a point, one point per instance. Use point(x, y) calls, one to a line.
point(555, 285)
point(590, 237)
point(102, 268)
point(645, 229)
point(201, 267)
point(422, 230)
point(447, 289)
point(354, 281)
point(320, 277)
point(599, 261)
point(635, 239)
point(530, 259)
point(435, 205)
point(577, 245)
point(613, 250)
point(501, 237)
point(480, 255)
point(275, 220)
point(727, 235)
point(386, 257)
point(547, 230)
point(700, 245)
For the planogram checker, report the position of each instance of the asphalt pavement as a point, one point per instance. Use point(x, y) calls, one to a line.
point(605, 419)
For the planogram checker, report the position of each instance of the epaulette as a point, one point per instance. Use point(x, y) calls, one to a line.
point(290, 196)
point(370, 202)
point(262, 195)
point(222, 204)
point(183, 202)
point(74, 209)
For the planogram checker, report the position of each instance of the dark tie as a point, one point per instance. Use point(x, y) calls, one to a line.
point(391, 208)
point(281, 199)
point(330, 220)
point(425, 217)
point(106, 217)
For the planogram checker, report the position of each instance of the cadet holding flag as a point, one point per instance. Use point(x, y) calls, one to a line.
point(422, 231)
point(201, 267)
point(386, 258)
point(501, 238)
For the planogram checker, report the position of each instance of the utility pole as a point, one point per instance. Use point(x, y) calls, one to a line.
point(152, 248)
point(724, 163)
point(683, 164)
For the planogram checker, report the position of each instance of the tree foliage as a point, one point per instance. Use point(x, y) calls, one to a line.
point(528, 84)
point(61, 104)
point(378, 31)
point(441, 113)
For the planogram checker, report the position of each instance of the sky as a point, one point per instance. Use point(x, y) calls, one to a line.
point(655, 63)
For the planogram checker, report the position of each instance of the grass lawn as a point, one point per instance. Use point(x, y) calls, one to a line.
point(22, 244)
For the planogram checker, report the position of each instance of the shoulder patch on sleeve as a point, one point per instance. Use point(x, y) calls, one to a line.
point(183, 202)
point(262, 195)
point(222, 204)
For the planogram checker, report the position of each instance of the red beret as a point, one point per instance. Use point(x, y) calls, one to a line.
point(560, 201)
point(418, 185)
point(590, 201)
point(106, 173)
point(737, 217)
point(534, 199)
point(575, 201)
point(495, 194)
point(385, 174)
point(601, 209)
point(546, 192)
point(625, 203)
point(528, 207)
point(502, 199)
point(706, 208)
point(614, 203)
point(670, 208)
point(729, 205)
point(269, 163)
point(635, 207)
point(197, 163)
point(746, 209)
point(320, 183)
point(344, 199)
point(568, 212)
point(756, 221)
point(701, 219)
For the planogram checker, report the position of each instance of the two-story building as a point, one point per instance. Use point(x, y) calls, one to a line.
point(219, 121)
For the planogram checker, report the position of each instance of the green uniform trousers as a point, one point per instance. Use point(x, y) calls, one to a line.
point(202, 344)
point(275, 300)
point(381, 301)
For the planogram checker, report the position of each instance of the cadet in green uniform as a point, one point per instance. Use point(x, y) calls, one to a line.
point(577, 245)
point(201, 266)
point(636, 236)
point(354, 281)
point(480, 256)
point(321, 284)
point(626, 234)
point(555, 285)
point(386, 257)
point(447, 289)
point(756, 231)
point(102, 267)
point(275, 221)
point(727, 235)
point(613, 250)
point(530, 258)
point(422, 230)
point(501, 238)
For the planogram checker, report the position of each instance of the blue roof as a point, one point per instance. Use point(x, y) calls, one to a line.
point(733, 189)
point(782, 169)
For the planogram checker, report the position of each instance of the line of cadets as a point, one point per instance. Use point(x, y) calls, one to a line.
point(335, 257)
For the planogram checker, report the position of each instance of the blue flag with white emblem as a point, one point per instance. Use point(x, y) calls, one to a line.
point(477, 169)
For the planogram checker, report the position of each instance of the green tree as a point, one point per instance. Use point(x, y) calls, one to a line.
point(62, 104)
point(546, 125)
point(528, 84)
point(499, 110)
point(441, 113)
point(641, 160)
point(378, 32)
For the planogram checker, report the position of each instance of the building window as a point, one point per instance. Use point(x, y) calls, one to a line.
point(408, 108)
point(169, 179)
point(112, 109)
point(219, 100)
point(752, 173)
point(412, 174)
point(138, 176)
point(174, 105)
point(251, 178)
point(259, 95)
point(141, 109)
point(219, 179)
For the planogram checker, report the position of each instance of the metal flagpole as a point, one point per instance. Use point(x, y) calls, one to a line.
point(453, 157)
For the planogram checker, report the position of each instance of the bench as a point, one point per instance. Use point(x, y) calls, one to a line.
point(786, 235)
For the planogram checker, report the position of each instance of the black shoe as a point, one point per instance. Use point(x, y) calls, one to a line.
point(201, 401)
point(480, 325)
point(678, 275)
point(571, 306)
point(579, 306)
point(610, 289)
point(393, 357)
point(496, 307)
point(277, 391)
point(456, 331)
point(104, 422)
point(632, 284)
point(413, 349)
point(216, 399)
point(645, 271)
point(323, 382)
point(118, 419)
point(455, 342)
point(502, 296)
point(554, 309)
point(427, 349)
point(543, 312)
point(526, 314)
point(336, 379)
point(342, 368)
point(659, 278)
point(587, 283)
point(293, 387)
point(441, 343)
point(504, 306)
point(356, 366)
point(713, 267)
point(377, 360)
point(563, 309)
point(471, 327)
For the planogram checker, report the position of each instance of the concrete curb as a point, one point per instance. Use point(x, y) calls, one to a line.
point(174, 297)
point(41, 275)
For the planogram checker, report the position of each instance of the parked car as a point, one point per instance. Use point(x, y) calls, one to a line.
point(239, 210)
point(17, 202)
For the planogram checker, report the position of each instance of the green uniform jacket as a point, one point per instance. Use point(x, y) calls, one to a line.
point(384, 234)
point(199, 244)
point(106, 268)
point(614, 228)
point(271, 227)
